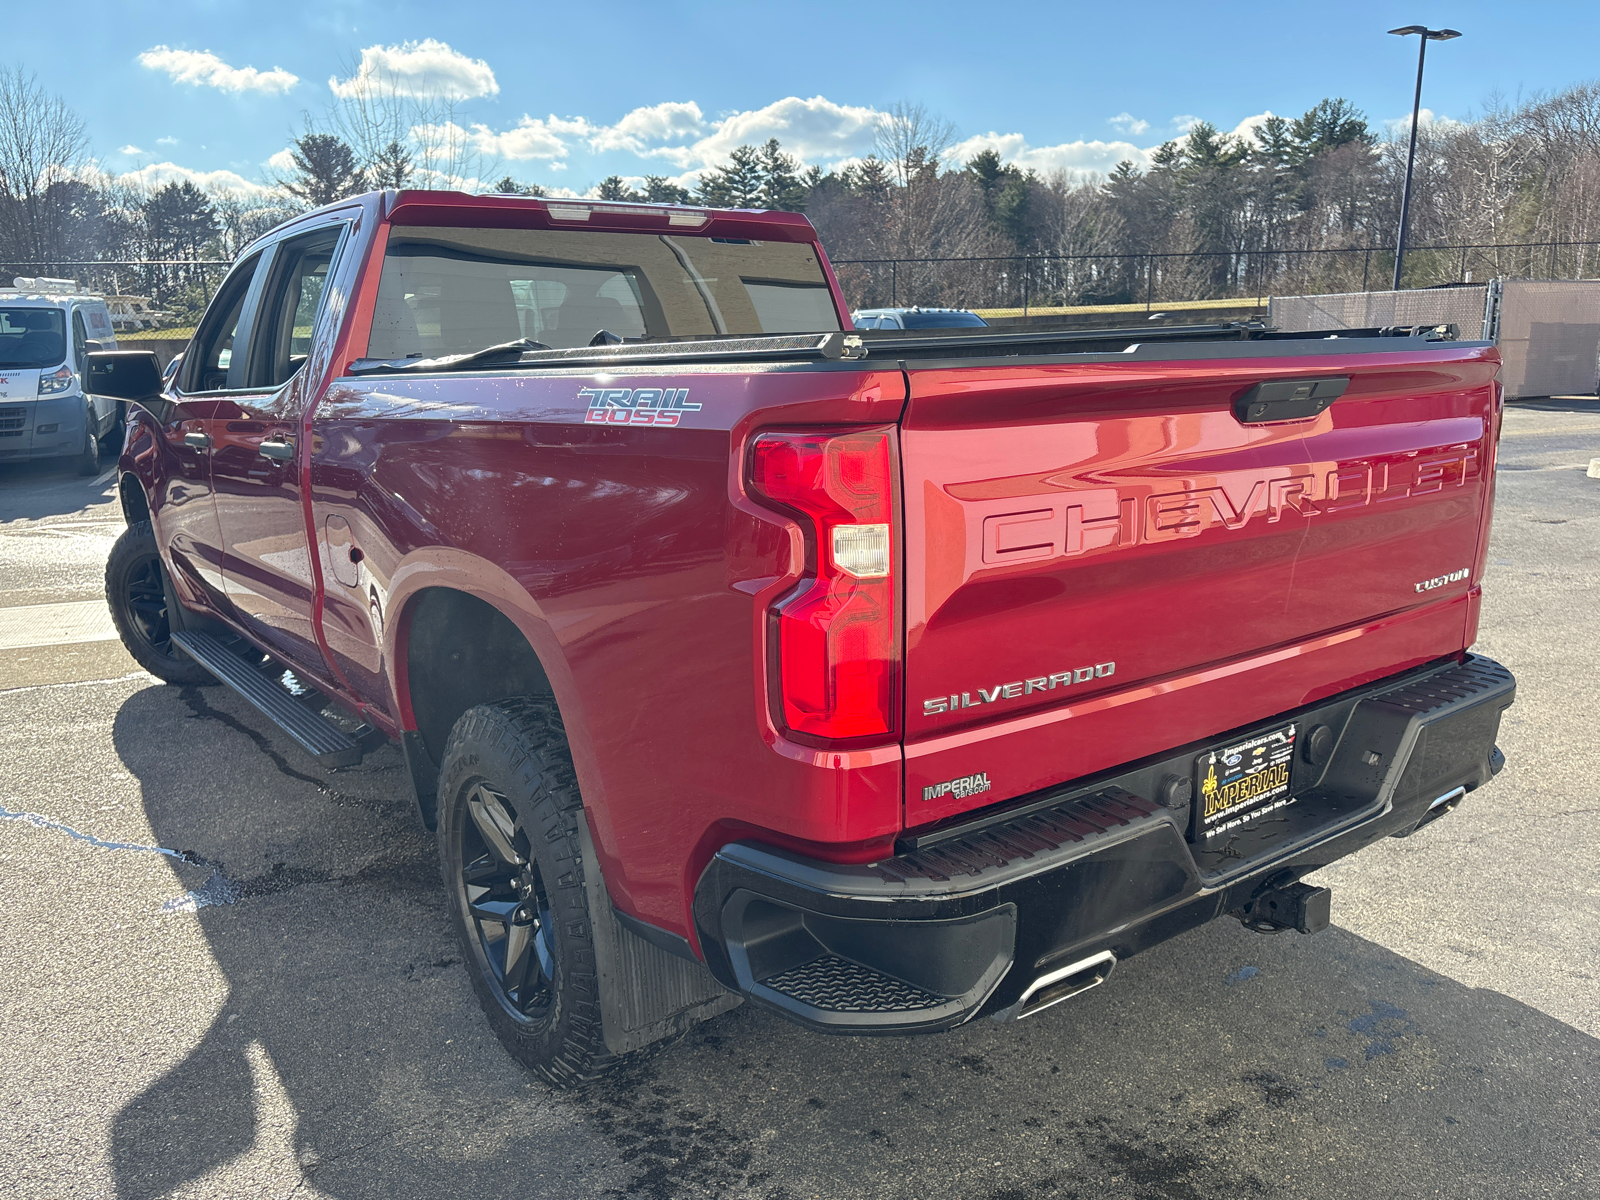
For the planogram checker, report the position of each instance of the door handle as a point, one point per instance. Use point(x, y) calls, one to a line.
point(197, 441)
point(281, 451)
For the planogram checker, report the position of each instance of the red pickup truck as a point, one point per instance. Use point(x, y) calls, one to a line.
point(885, 678)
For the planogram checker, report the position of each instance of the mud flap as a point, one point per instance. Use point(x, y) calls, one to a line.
point(646, 994)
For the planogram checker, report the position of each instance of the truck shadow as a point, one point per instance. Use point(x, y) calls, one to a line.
point(1221, 1065)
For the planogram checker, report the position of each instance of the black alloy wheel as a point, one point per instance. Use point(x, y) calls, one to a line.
point(505, 898)
point(147, 605)
point(512, 854)
point(137, 597)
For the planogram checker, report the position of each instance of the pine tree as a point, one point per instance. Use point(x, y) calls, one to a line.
point(658, 189)
point(180, 220)
point(509, 186)
point(781, 189)
point(736, 185)
point(392, 168)
point(612, 187)
point(324, 170)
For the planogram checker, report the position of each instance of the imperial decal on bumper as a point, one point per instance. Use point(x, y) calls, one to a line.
point(967, 785)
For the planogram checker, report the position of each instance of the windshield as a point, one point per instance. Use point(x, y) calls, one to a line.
point(943, 320)
point(32, 337)
point(453, 291)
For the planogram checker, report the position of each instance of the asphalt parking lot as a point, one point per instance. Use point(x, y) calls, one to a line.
point(224, 972)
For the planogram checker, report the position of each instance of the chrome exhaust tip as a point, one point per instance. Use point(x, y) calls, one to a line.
point(1063, 984)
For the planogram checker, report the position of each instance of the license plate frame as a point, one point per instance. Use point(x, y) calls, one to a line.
point(1230, 795)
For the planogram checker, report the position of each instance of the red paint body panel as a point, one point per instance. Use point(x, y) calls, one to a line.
point(640, 573)
point(1058, 517)
point(1112, 532)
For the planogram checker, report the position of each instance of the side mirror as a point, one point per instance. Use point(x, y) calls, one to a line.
point(124, 374)
point(91, 346)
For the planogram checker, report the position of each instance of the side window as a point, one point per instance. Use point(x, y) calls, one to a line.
point(290, 305)
point(80, 352)
point(206, 362)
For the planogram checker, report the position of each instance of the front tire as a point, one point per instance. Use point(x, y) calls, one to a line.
point(89, 456)
point(137, 597)
point(512, 858)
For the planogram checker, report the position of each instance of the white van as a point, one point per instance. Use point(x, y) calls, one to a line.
point(46, 333)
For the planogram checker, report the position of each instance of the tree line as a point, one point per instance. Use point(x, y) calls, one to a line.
point(1303, 204)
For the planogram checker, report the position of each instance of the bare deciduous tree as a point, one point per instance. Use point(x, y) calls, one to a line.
point(43, 145)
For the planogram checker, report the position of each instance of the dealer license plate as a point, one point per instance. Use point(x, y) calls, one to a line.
point(1241, 783)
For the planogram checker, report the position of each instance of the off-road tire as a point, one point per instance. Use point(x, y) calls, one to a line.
point(89, 457)
point(138, 604)
point(517, 750)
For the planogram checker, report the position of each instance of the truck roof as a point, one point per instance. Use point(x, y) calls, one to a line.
point(46, 298)
point(418, 207)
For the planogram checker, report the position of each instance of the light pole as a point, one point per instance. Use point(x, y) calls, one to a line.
point(1428, 35)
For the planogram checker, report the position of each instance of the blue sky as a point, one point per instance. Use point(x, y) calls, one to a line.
point(564, 94)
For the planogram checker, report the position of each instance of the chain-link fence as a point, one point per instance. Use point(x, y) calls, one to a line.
point(1023, 282)
point(1029, 281)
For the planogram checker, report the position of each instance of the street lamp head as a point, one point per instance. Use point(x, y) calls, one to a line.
point(1433, 35)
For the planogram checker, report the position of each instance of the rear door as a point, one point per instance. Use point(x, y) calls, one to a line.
point(256, 454)
point(1105, 561)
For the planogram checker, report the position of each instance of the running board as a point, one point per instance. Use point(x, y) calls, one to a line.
point(322, 739)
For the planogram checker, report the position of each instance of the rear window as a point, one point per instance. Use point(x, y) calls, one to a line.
point(943, 320)
point(32, 337)
point(452, 291)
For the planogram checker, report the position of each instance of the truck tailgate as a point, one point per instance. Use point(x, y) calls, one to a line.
point(1105, 560)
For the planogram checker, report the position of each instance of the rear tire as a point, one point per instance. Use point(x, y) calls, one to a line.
point(89, 456)
point(137, 597)
point(512, 859)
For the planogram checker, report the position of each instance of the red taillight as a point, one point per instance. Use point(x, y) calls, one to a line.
point(836, 651)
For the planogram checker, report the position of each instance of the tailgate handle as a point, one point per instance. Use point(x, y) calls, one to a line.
point(1288, 399)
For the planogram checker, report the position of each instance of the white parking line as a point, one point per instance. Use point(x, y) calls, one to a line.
point(103, 478)
point(55, 624)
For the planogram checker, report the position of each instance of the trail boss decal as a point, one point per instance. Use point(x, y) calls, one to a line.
point(1020, 687)
point(967, 785)
point(636, 406)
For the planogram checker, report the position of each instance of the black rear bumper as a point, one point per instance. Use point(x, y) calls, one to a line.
point(971, 918)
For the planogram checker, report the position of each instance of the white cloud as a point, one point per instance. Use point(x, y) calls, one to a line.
point(1184, 123)
point(130, 148)
point(672, 119)
point(425, 68)
point(529, 138)
point(1245, 130)
point(201, 67)
point(1078, 159)
point(809, 129)
point(282, 161)
point(1128, 123)
point(1426, 119)
point(166, 141)
point(158, 175)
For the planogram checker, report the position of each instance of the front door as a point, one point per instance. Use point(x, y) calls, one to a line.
point(184, 513)
point(256, 455)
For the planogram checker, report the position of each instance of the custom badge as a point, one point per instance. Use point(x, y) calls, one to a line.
point(636, 406)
